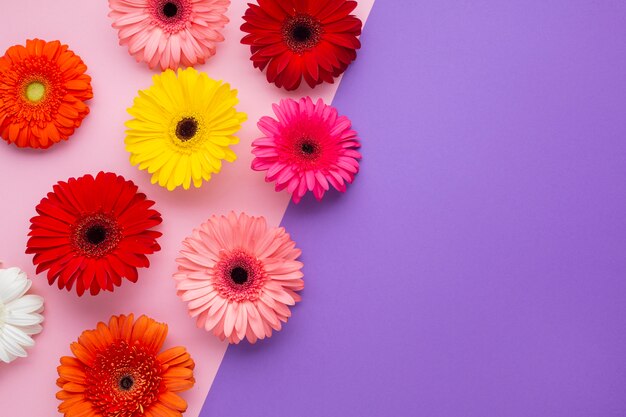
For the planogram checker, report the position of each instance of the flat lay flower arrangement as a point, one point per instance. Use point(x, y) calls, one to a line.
point(237, 276)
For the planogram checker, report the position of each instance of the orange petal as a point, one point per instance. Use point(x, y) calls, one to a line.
point(172, 354)
point(173, 401)
point(159, 410)
point(70, 400)
point(126, 327)
point(177, 385)
point(154, 337)
point(81, 409)
point(81, 353)
point(139, 329)
point(71, 374)
point(178, 372)
point(72, 387)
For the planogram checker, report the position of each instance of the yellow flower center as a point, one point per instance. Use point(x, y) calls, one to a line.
point(35, 91)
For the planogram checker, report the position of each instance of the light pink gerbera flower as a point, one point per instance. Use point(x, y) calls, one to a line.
point(170, 32)
point(238, 277)
point(309, 148)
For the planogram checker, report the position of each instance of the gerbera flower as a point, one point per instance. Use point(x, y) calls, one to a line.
point(239, 276)
point(43, 89)
point(309, 148)
point(118, 370)
point(93, 232)
point(182, 128)
point(170, 32)
point(20, 316)
point(294, 39)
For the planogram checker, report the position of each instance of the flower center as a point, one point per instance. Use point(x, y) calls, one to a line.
point(41, 87)
point(301, 33)
point(123, 380)
point(239, 275)
point(186, 129)
point(35, 91)
point(126, 383)
point(172, 16)
point(96, 235)
point(170, 9)
point(308, 148)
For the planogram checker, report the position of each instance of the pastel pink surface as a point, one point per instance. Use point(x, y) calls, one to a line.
point(27, 386)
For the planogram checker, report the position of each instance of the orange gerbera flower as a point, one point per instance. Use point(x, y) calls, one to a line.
point(117, 371)
point(43, 89)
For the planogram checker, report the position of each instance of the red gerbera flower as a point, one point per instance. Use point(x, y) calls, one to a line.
point(314, 39)
point(43, 89)
point(93, 232)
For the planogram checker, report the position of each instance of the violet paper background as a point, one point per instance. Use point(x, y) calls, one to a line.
point(477, 266)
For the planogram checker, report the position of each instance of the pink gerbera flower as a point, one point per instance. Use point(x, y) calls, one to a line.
point(170, 32)
point(239, 276)
point(309, 148)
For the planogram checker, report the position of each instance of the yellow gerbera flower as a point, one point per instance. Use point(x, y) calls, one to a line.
point(182, 128)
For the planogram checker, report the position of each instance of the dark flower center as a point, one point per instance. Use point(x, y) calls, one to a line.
point(239, 275)
point(96, 234)
point(170, 9)
point(126, 383)
point(308, 148)
point(301, 33)
point(186, 129)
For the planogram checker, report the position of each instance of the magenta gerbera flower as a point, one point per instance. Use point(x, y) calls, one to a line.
point(309, 148)
point(239, 277)
point(170, 33)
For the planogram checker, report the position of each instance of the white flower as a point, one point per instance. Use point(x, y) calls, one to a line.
point(19, 314)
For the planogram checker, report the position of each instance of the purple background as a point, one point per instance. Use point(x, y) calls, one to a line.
point(477, 267)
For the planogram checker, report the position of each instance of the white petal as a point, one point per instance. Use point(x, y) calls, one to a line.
point(12, 347)
point(13, 284)
point(19, 336)
point(4, 354)
point(32, 330)
point(23, 319)
point(26, 304)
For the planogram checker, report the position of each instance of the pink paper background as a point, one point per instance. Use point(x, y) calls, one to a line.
point(27, 386)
